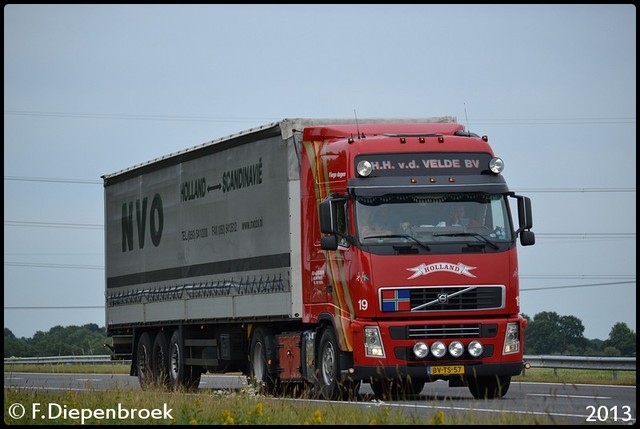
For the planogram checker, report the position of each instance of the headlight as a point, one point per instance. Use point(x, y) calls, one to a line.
point(496, 165)
point(373, 342)
point(512, 339)
point(420, 349)
point(475, 348)
point(364, 168)
point(456, 349)
point(438, 349)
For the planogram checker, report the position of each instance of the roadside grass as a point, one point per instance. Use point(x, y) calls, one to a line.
point(235, 408)
point(245, 407)
point(577, 376)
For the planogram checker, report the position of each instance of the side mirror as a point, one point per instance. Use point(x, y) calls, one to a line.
point(524, 213)
point(327, 217)
point(329, 242)
point(527, 238)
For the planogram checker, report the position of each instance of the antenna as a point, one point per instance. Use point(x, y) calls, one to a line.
point(357, 126)
point(465, 117)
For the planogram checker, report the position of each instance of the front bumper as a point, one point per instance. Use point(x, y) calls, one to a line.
point(422, 372)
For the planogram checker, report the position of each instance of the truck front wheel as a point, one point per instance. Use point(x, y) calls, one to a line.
point(489, 387)
point(328, 379)
point(397, 388)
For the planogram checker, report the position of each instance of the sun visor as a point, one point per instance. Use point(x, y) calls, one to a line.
point(375, 186)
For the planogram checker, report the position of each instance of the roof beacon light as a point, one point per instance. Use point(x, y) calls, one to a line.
point(496, 165)
point(364, 168)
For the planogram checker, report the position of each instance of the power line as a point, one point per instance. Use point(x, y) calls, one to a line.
point(136, 117)
point(98, 267)
point(44, 179)
point(53, 307)
point(43, 265)
point(586, 234)
point(576, 286)
point(577, 276)
point(576, 190)
point(538, 234)
point(53, 224)
point(98, 182)
point(499, 121)
point(71, 307)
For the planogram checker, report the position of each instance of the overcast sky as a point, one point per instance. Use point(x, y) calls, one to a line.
point(93, 89)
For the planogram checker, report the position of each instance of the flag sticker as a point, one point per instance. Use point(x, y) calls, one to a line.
point(396, 300)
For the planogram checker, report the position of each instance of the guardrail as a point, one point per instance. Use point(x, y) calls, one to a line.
point(550, 361)
point(610, 363)
point(90, 359)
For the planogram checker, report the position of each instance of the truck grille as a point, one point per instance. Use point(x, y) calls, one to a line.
point(457, 298)
point(442, 331)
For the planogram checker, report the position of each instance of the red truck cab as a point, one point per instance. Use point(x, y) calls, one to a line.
point(429, 295)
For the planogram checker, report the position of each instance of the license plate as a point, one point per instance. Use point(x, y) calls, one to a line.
point(445, 370)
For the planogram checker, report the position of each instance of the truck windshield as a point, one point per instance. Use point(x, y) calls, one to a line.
point(433, 218)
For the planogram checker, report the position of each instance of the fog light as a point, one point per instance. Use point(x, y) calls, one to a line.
point(475, 348)
point(438, 349)
point(421, 350)
point(456, 349)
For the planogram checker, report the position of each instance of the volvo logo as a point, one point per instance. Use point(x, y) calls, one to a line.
point(443, 298)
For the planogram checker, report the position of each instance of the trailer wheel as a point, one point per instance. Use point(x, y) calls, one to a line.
point(393, 389)
point(489, 387)
point(143, 361)
point(328, 380)
point(180, 374)
point(258, 368)
point(160, 359)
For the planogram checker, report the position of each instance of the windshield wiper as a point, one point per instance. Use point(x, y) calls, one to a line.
point(467, 234)
point(400, 236)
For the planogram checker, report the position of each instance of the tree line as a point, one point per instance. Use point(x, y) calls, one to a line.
point(547, 333)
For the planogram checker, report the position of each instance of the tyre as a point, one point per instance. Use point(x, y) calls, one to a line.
point(382, 389)
point(489, 387)
point(328, 369)
point(413, 387)
point(143, 361)
point(394, 389)
point(261, 345)
point(160, 359)
point(181, 376)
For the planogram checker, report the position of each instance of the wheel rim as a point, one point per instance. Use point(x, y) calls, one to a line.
point(143, 359)
point(328, 364)
point(258, 366)
point(175, 362)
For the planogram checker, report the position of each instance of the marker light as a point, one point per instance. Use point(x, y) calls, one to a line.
point(364, 168)
point(496, 165)
point(420, 349)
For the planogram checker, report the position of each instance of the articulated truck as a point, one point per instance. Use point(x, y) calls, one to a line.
point(320, 254)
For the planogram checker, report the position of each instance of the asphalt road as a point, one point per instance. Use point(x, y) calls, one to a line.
point(560, 403)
